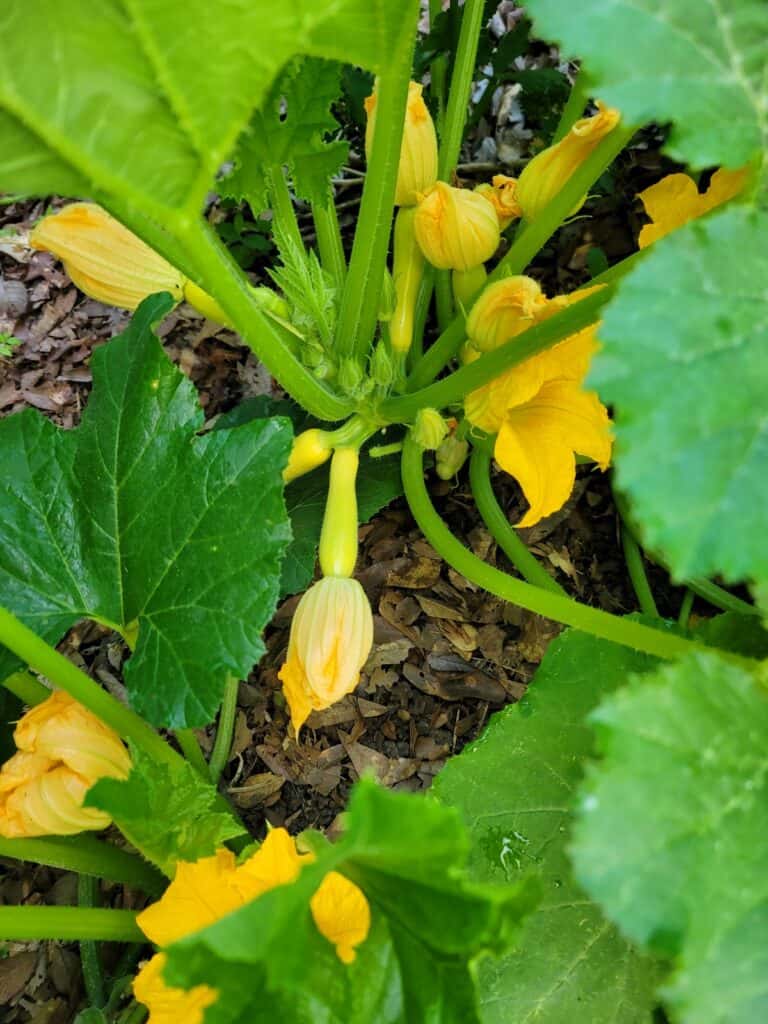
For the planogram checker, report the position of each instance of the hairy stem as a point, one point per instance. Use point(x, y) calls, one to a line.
point(542, 602)
point(28, 689)
point(505, 535)
point(190, 748)
point(461, 87)
point(574, 108)
point(634, 559)
point(22, 924)
point(282, 207)
point(329, 241)
point(88, 895)
point(224, 729)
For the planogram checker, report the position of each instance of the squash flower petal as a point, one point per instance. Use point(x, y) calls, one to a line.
point(537, 441)
point(169, 1005)
point(417, 169)
point(455, 228)
point(676, 199)
point(342, 914)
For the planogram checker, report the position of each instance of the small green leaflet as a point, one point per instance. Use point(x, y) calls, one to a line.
point(698, 63)
point(290, 129)
point(134, 519)
point(515, 787)
point(684, 360)
point(168, 812)
point(429, 924)
point(672, 827)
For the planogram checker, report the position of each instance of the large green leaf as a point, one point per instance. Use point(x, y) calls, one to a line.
point(672, 829)
point(142, 100)
point(684, 359)
point(291, 129)
point(430, 924)
point(515, 787)
point(168, 811)
point(135, 520)
point(698, 63)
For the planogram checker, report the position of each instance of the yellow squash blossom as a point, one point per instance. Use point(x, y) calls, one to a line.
point(675, 200)
point(502, 194)
point(206, 890)
point(111, 264)
point(538, 409)
point(63, 750)
point(455, 228)
point(546, 174)
point(417, 170)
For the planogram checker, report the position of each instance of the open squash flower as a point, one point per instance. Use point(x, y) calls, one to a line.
point(417, 170)
point(63, 750)
point(502, 194)
point(539, 410)
point(456, 229)
point(675, 200)
point(111, 264)
point(206, 890)
point(546, 174)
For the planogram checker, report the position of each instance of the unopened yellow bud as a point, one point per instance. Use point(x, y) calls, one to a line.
point(450, 457)
point(331, 638)
point(104, 259)
point(429, 429)
point(504, 310)
point(310, 449)
point(548, 172)
point(205, 304)
point(456, 229)
point(417, 170)
point(502, 194)
point(63, 750)
point(407, 272)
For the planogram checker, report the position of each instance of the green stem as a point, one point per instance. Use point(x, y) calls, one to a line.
point(135, 1014)
point(542, 602)
point(29, 690)
point(360, 301)
point(505, 535)
point(221, 276)
point(574, 108)
point(720, 598)
point(634, 559)
point(461, 87)
point(420, 315)
point(329, 241)
point(443, 298)
point(685, 609)
point(89, 895)
point(453, 388)
point(191, 749)
point(63, 673)
point(225, 729)
point(22, 924)
point(537, 232)
point(282, 207)
point(85, 854)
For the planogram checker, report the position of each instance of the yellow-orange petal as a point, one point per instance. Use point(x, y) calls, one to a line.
point(50, 805)
point(342, 914)
point(296, 692)
point(169, 1005)
point(537, 442)
point(200, 893)
point(675, 200)
point(276, 862)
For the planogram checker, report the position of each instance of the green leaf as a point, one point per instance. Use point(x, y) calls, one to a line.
point(684, 359)
point(515, 788)
point(10, 712)
point(672, 826)
point(429, 925)
point(168, 813)
point(135, 520)
point(291, 129)
point(699, 65)
point(142, 102)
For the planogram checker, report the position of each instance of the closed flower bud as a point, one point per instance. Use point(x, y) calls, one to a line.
point(429, 429)
point(502, 194)
point(387, 298)
point(417, 170)
point(63, 750)
point(455, 228)
point(104, 259)
point(548, 172)
point(310, 449)
point(350, 375)
point(331, 638)
point(450, 457)
point(383, 370)
point(505, 309)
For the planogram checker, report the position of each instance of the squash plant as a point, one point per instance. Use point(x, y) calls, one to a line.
point(601, 848)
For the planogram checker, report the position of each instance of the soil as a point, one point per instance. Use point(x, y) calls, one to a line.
point(447, 655)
